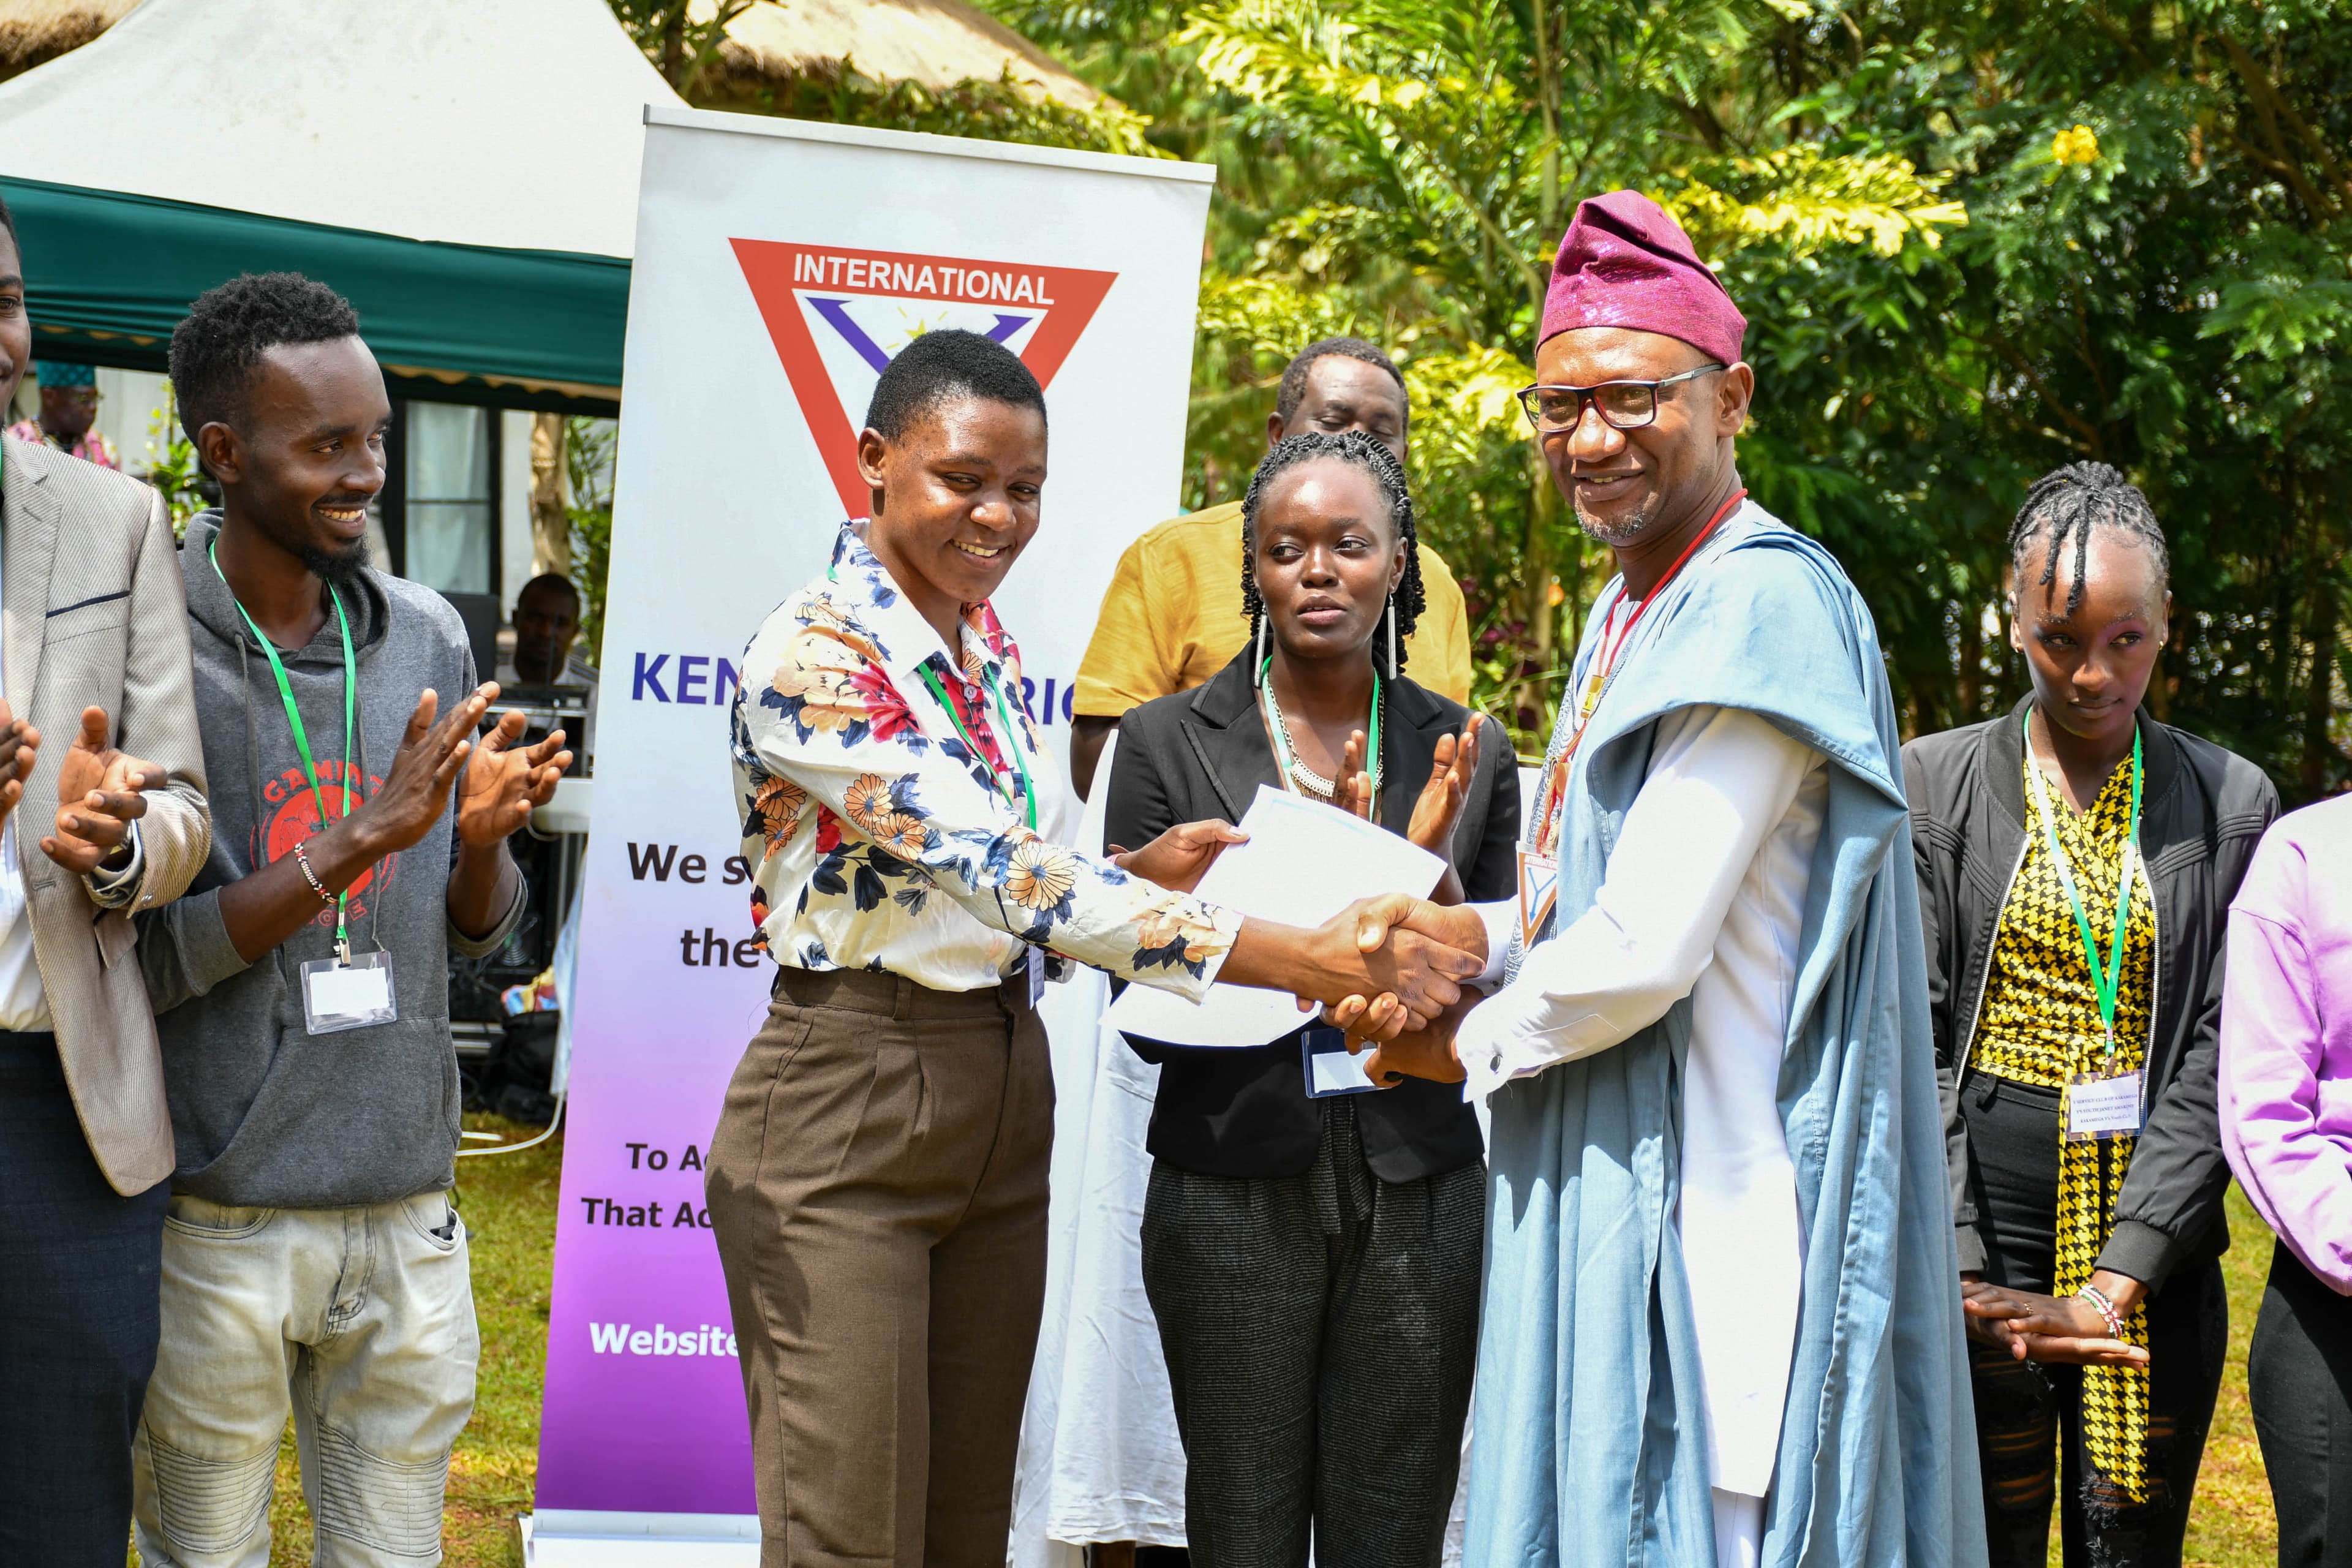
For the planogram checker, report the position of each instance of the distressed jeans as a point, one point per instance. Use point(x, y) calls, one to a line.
point(362, 1321)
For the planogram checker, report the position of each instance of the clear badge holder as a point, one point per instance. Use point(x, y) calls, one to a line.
point(2100, 1105)
point(338, 995)
point(1331, 1069)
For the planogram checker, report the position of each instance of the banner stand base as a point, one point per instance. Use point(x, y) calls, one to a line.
point(585, 1538)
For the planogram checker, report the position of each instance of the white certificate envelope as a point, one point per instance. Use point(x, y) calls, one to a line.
point(1304, 863)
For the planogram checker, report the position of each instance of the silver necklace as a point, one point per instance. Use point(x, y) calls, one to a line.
point(1308, 781)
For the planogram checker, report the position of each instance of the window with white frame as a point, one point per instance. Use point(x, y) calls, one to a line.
point(451, 498)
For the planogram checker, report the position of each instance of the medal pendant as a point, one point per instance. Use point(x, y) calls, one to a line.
point(1538, 892)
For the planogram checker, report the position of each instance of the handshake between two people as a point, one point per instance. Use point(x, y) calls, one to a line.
point(1393, 971)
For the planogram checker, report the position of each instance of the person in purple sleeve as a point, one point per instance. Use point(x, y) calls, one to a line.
point(2287, 1126)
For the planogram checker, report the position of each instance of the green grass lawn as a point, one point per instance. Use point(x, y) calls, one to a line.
point(508, 1203)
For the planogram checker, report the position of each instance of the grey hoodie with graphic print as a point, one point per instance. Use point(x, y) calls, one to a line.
point(264, 1112)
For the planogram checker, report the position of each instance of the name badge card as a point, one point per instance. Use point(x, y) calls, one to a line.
point(338, 995)
point(1330, 1069)
point(2103, 1108)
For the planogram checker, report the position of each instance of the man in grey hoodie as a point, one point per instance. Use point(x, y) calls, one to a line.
point(312, 1257)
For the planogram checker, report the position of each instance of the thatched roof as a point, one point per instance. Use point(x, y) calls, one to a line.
point(937, 43)
point(444, 95)
point(35, 31)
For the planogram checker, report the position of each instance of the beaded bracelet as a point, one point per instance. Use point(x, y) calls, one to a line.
point(312, 877)
point(2098, 1297)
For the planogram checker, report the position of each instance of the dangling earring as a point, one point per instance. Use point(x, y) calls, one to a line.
point(1257, 661)
point(1392, 637)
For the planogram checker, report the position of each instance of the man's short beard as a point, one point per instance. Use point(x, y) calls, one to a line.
point(342, 568)
point(1621, 534)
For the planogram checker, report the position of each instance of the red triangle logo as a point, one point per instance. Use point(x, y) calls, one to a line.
point(836, 317)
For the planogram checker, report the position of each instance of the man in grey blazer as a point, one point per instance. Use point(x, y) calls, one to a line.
point(105, 817)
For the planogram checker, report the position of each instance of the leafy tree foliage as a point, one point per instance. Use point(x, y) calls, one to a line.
point(1974, 241)
point(2154, 274)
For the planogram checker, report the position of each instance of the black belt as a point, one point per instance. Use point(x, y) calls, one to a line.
point(895, 996)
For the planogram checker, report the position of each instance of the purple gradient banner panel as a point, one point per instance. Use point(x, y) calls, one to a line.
point(639, 1340)
point(778, 267)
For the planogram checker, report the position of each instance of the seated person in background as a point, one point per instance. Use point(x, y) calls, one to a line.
point(1313, 1261)
point(546, 621)
point(1172, 615)
point(68, 409)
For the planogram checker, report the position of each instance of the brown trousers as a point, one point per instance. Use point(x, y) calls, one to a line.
point(877, 1188)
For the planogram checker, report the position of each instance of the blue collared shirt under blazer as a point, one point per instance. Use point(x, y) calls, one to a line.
point(1590, 1444)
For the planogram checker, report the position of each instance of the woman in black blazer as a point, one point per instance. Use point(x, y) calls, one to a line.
point(1314, 1262)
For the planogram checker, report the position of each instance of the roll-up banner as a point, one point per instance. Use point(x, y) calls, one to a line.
point(778, 266)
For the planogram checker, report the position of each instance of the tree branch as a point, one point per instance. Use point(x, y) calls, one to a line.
point(2118, 35)
point(2017, 361)
point(2265, 91)
point(2314, 201)
point(2271, 108)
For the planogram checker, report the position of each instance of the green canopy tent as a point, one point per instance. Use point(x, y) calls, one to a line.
point(465, 175)
point(109, 274)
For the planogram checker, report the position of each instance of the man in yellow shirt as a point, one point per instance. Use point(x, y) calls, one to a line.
point(1172, 615)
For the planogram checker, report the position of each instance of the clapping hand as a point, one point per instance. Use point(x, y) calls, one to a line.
point(501, 786)
point(1435, 811)
point(1439, 806)
point(2034, 1327)
point(100, 792)
point(1353, 794)
point(19, 743)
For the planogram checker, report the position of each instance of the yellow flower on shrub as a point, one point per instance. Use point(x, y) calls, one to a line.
point(2079, 145)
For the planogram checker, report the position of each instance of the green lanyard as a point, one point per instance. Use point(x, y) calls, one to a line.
point(1282, 736)
point(1012, 746)
point(301, 737)
point(2105, 980)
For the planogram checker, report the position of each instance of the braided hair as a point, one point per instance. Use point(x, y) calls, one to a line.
point(2069, 502)
point(1358, 450)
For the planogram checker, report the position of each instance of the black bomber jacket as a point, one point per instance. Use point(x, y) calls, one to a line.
point(2203, 810)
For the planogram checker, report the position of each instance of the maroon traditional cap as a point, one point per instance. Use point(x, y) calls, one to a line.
point(1625, 262)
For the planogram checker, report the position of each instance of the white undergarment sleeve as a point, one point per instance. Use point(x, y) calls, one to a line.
point(1502, 918)
point(1738, 1529)
point(1720, 780)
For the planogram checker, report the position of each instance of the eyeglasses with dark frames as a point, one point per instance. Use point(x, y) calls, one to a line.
point(1624, 404)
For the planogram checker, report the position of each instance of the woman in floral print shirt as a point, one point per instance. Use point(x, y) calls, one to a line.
point(878, 1182)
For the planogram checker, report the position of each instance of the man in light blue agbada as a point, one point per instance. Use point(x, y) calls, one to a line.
point(1719, 1318)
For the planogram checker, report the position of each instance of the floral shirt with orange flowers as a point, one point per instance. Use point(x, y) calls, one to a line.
point(891, 836)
